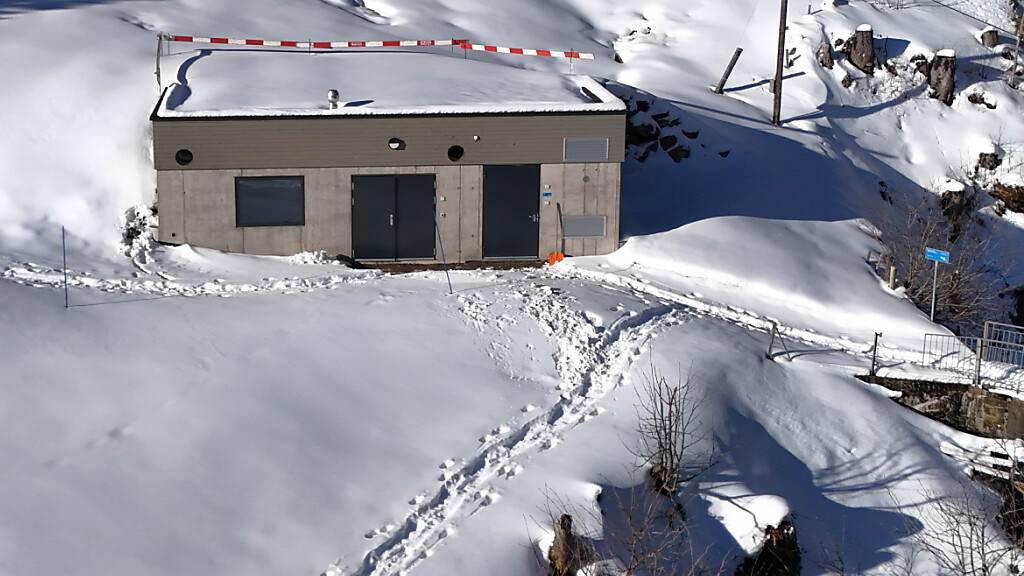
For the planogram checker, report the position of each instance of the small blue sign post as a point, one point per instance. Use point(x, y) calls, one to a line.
point(936, 256)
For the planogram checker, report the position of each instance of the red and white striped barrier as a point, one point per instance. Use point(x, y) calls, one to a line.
point(311, 43)
point(466, 45)
point(328, 45)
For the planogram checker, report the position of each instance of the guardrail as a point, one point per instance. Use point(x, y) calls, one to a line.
point(994, 360)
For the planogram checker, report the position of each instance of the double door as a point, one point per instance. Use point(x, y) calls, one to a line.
point(393, 217)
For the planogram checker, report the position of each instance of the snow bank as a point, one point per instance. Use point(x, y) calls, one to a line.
point(811, 274)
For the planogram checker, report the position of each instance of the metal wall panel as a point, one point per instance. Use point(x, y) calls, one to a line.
point(585, 150)
point(585, 226)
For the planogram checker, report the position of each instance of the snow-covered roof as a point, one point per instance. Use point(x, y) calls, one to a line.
point(371, 84)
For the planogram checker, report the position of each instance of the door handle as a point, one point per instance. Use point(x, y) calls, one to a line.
point(391, 219)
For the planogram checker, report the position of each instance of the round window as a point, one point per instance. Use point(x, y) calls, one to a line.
point(183, 157)
point(396, 144)
point(455, 153)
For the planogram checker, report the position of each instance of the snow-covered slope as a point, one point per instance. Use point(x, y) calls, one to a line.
point(216, 414)
point(77, 121)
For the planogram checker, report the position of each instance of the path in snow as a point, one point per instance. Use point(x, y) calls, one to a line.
point(39, 276)
point(590, 362)
point(738, 316)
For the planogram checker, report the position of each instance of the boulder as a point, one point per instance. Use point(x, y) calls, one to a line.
point(679, 153)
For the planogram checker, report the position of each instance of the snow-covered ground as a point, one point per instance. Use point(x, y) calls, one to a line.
point(198, 412)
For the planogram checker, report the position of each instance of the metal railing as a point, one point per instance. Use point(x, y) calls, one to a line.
point(994, 360)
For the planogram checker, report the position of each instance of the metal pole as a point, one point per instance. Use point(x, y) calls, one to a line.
point(159, 48)
point(935, 287)
point(561, 230)
point(874, 355)
point(444, 261)
point(979, 349)
point(777, 86)
point(728, 70)
point(64, 252)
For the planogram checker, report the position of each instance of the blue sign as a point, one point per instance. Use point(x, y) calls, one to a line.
point(936, 255)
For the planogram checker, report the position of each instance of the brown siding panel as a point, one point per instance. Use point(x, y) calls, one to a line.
point(362, 142)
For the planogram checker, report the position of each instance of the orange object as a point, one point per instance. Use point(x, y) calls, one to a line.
point(555, 257)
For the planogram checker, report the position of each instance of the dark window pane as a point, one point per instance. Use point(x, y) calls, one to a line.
point(276, 201)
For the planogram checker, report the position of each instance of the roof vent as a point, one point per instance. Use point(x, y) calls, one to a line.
point(333, 97)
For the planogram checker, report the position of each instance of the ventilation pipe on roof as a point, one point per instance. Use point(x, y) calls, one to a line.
point(333, 97)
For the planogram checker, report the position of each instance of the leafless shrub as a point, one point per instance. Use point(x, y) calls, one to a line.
point(968, 287)
point(640, 531)
point(670, 431)
point(1008, 482)
point(961, 535)
point(642, 528)
point(904, 563)
point(779, 556)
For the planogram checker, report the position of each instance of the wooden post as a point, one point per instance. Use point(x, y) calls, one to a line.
point(728, 70)
point(159, 49)
point(861, 48)
point(989, 37)
point(892, 277)
point(942, 78)
point(825, 55)
point(780, 61)
point(565, 555)
point(1011, 78)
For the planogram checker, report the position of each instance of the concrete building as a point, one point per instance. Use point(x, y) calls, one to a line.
point(505, 161)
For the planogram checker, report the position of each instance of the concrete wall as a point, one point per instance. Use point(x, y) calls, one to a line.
point(198, 207)
point(582, 190)
point(218, 144)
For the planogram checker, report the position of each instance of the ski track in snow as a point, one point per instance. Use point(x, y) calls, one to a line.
point(590, 361)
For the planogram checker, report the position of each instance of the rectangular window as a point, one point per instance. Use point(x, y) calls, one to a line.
point(584, 226)
point(270, 201)
point(585, 150)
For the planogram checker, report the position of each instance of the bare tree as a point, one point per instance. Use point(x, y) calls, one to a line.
point(960, 533)
point(968, 287)
point(670, 431)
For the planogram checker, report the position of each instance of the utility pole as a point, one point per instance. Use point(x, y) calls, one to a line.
point(777, 85)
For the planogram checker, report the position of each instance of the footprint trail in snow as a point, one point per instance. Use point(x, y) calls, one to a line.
point(590, 361)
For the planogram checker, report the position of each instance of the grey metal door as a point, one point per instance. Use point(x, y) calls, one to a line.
point(393, 217)
point(373, 217)
point(415, 216)
point(511, 211)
